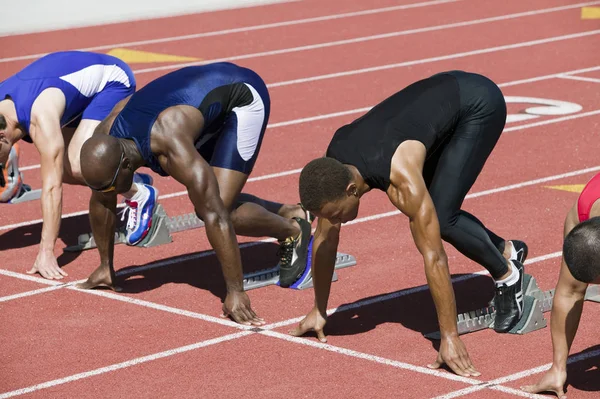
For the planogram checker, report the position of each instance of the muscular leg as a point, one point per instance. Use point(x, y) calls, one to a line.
point(458, 167)
point(252, 216)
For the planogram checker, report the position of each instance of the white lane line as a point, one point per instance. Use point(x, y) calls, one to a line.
point(517, 376)
point(248, 28)
point(248, 330)
point(438, 58)
point(34, 292)
point(372, 358)
point(551, 121)
point(122, 365)
point(377, 37)
point(581, 78)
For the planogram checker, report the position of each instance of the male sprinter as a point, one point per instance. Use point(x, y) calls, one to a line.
point(579, 267)
point(424, 146)
point(203, 126)
point(56, 103)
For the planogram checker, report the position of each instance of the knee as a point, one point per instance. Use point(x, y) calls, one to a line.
point(447, 227)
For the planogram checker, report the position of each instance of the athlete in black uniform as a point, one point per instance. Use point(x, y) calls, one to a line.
point(424, 146)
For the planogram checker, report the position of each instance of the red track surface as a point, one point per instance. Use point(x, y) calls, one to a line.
point(137, 343)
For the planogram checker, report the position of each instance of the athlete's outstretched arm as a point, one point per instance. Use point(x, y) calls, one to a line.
point(183, 162)
point(409, 194)
point(567, 307)
point(103, 216)
point(47, 136)
point(325, 244)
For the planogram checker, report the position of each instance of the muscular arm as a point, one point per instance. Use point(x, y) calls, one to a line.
point(566, 306)
point(46, 133)
point(185, 165)
point(103, 216)
point(325, 246)
point(49, 141)
point(409, 194)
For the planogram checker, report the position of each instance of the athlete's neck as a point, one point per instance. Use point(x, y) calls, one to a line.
point(361, 186)
point(132, 152)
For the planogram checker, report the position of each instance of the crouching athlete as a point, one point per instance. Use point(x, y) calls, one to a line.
point(424, 146)
point(202, 125)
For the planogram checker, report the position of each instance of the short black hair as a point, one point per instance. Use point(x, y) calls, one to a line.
point(581, 250)
point(323, 180)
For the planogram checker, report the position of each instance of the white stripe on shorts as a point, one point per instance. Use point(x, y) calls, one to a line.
point(250, 122)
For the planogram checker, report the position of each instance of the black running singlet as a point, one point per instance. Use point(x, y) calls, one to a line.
point(427, 111)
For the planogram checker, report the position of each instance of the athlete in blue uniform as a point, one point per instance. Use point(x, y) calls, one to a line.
point(203, 126)
point(56, 103)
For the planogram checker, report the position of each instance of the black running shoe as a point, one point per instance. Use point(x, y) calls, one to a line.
point(293, 255)
point(509, 302)
point(521, 249)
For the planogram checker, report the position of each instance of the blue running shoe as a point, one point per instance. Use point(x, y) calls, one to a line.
point(143, 178)
point(140, 214)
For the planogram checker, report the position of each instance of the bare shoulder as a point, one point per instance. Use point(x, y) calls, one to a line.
point(176, 126)
point(406, 170)
point(50, 104)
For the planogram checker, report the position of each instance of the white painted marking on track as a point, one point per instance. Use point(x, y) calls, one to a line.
point(251, 28)
point(33, 292)
point(122, 365)
point(383, 36)
point(369, 357)
point(438, 58)
point(517, 376)
point(580, 78)
point(248, 332)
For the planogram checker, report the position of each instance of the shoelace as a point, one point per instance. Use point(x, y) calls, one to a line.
point(286, 251)
point(132, 211)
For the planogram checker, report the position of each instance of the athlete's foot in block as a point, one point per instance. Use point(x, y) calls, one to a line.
point(46, 265)
point(100, 278)
point(508, 299)
point(293, 253)
point(139, 210)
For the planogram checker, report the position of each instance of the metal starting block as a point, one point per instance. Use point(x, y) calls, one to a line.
point(265, 277)
point(160, 232)
point(26, 194)
point(536, 303)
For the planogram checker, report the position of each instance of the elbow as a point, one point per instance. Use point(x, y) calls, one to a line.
point(435, 260)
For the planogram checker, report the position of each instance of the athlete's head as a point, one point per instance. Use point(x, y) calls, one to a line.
point(10, 130)
point(581, 250)
point(105, 165)
point(6, 140)
point(328, 190)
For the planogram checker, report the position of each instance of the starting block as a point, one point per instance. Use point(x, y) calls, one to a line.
point(160, 232)
point(26, 194)
point(265, 277)
point(536, 303)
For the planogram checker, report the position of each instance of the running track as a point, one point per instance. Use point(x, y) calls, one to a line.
point(325, 63)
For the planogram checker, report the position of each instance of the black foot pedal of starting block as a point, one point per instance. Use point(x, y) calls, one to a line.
point(265, 277)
